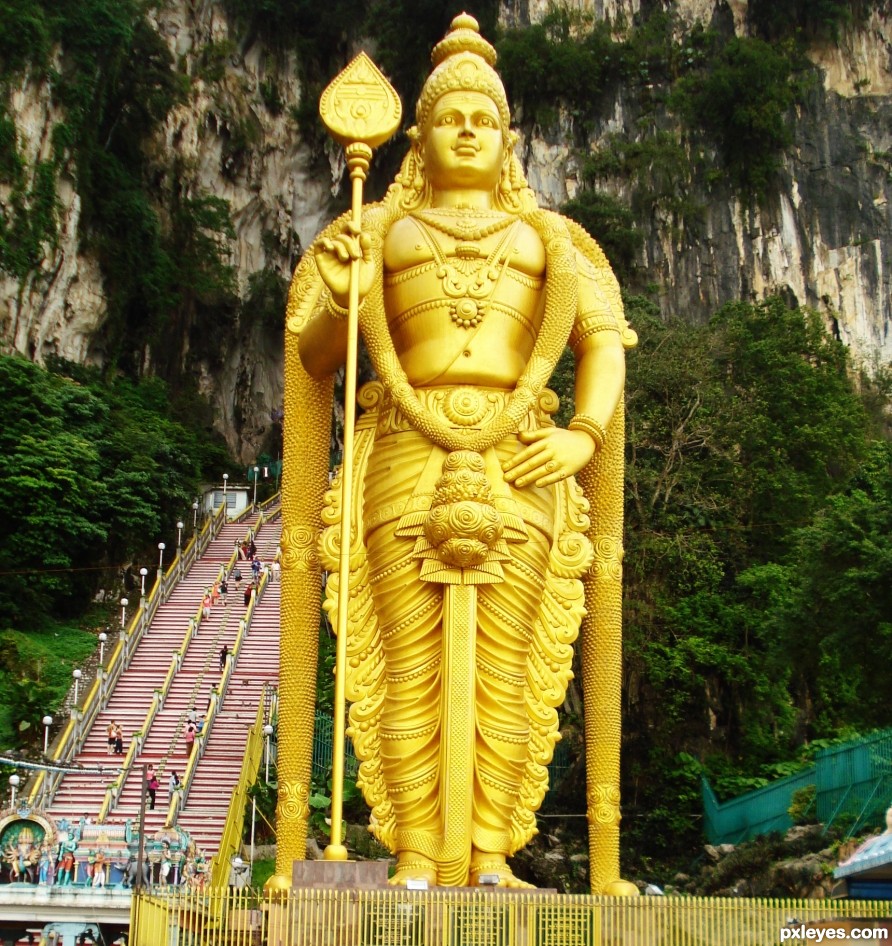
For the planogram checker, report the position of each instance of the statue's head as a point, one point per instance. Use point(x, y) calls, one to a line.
point(463, 68)
point(463, 62)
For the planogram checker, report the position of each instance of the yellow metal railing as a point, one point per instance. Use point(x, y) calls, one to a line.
point(219, 917)
point(114, 789)
point(82, 719)
point(274, 500)
point(217, 695)
point(69, 743)
point(230, 840)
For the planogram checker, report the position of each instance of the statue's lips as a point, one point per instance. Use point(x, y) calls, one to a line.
point(466, 151)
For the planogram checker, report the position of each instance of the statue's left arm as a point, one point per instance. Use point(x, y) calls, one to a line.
point(554, 453)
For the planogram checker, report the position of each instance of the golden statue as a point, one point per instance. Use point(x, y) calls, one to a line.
point(475, 553)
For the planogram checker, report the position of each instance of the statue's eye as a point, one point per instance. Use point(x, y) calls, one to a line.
point(487, 121)
point(447, 120)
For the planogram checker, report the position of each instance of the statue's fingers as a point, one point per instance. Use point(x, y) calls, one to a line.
point(342, 251)
point(555, 476)
point(533, 475)
point(524, 461)
point(529, 471)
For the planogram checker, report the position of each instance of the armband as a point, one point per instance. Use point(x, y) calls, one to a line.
point(333, 309)
point(338, 311)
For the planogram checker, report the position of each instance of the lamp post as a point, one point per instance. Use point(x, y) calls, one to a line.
point(161, 548)
point(179, 535)
point(195, 515)
point(77, 679)
point(103, 637)
point(13, 785)
point(267, 732)
point(256, 471)
point(225, 483)
point(124, 603)
point(238, 877)
point(47, 722)
point(142, 576)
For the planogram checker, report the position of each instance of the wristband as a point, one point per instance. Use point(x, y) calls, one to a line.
point(589, 426)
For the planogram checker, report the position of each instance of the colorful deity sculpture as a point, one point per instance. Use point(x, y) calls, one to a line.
point(482, 532)
point(21, 855)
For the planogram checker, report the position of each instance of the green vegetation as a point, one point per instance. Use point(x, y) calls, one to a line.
point(89, 472)
point(168, 277)
point(735, 93)
point(818, 18)
point(759, 557)
point(35, 672)
point(741, 99)
point(550, 63)
point(612, 224)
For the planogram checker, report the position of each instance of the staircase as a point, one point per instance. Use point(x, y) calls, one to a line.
point(163, 746)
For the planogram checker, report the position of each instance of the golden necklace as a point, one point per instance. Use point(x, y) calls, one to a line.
point(468, 281)
point(464, 226)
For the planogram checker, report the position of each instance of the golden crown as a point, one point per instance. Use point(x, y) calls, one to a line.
point(463, 61)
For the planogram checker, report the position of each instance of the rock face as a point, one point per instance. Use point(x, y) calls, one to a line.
point(822, 239)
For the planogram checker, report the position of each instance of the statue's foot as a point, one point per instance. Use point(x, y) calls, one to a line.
point(493, 865)
point(412, 866)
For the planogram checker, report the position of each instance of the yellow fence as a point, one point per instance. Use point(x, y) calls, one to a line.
point(472, 918)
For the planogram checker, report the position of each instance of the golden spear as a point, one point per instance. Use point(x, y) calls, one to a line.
point(361, 111)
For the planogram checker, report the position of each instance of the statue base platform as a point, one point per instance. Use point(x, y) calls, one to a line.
point(339, 875)
point(372, 875)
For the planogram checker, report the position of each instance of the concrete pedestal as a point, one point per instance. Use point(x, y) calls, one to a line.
point(326, 875)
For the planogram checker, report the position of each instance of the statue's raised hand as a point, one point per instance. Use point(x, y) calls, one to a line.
point(333, 257)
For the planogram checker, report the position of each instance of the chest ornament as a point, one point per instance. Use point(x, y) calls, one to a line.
point(468, 281)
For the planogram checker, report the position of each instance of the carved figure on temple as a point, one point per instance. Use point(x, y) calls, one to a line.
point(21, 855)
point(46, 871)
point(472, 536)
point(67, 866)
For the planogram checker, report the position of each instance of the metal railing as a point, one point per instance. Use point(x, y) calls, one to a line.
point(852, 783)
point(180, 797)
point(231, 838)
point(72, 738)
point(474, 918)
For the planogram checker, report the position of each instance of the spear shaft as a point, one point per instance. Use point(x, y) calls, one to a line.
point(361, 111)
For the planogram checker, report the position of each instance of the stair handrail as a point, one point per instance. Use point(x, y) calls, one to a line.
point(113, 791)
point(275, 498)
point(81, 720)
point(180, 796)
point(194, 623)
point(233, 826)
point(217, 696)
point(72, 739)
point(161, 694)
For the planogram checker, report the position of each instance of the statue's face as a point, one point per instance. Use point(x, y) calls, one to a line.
point(463, 146)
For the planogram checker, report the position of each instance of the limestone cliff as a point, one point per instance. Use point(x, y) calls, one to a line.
point(821, 238)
